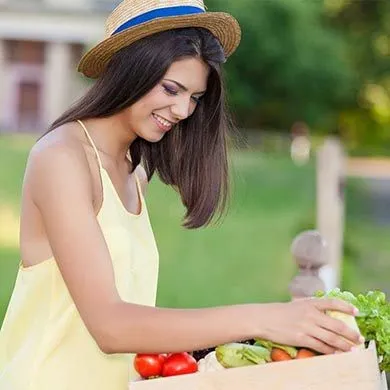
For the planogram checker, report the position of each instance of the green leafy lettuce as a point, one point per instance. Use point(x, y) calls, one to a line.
point(240, 355)
point(373, 319)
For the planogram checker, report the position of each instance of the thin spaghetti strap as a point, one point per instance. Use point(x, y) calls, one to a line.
point(92, 143)
point(138, 183)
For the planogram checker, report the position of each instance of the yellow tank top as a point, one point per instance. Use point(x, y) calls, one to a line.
point(44, 344)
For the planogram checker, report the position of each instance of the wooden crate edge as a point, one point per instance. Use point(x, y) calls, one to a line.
point(209, 379)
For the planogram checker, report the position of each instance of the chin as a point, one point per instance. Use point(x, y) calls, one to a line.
point(153, 138)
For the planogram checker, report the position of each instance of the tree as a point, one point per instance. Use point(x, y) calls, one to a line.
point(365, 124)
point(289, 67)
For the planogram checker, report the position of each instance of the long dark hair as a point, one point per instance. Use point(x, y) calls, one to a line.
point(192, 157)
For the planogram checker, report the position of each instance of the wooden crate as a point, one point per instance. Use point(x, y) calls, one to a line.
point(357, 370)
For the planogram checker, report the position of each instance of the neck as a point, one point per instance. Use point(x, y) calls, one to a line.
point(111, 136)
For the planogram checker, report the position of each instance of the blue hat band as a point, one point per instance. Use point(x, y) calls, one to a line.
point(159, 13)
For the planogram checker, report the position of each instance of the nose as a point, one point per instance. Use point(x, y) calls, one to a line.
point(181, 109)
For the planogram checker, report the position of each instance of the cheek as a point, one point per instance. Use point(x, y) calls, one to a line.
point(139, 110)
point(143, 108)
point(153, 100)
point(152, 103)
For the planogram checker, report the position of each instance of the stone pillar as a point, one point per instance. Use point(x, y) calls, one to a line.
point(58, 80)
point(309, 252)
point(3, 80)
point(80, 84)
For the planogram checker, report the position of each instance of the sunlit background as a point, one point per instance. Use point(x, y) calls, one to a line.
point(306, 70)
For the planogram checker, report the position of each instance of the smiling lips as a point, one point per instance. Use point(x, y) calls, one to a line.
point(162, 123)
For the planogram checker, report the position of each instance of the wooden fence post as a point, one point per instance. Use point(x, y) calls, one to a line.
point(319, 253)
point(330, 208)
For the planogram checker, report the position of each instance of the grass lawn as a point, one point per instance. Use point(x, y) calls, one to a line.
point(244, 258)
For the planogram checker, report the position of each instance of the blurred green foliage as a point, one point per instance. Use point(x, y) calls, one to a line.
point(324, 62)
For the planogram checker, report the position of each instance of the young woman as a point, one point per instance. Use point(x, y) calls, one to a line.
point(84, 298)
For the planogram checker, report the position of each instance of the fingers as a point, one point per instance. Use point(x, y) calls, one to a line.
point(331, 334)
point(333, 340)
point(318, 345)
point(338, 328)
point(336, 305)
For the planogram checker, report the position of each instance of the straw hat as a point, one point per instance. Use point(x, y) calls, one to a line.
point(136, 19)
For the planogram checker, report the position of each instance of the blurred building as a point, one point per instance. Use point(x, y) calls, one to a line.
point(41, 42)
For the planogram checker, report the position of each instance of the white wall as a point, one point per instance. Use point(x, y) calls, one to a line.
point(68, 4)
point(71, 5)
point(51, 27)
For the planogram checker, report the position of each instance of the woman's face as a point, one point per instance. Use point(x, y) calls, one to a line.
point(172, 100)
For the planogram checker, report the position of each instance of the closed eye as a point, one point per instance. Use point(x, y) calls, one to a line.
point(170, 91)
point(197, 100)
point(173, 92)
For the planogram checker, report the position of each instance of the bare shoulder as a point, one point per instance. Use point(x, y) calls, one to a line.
point(62, 138)
point(58, 155)
point(143, 177)
point(56, 149)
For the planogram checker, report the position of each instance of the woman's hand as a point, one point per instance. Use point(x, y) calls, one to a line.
point(303, 323)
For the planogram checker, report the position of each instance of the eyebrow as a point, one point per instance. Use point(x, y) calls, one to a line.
point(181, 86)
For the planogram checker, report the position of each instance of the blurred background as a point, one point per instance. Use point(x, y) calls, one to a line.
point(308, 72)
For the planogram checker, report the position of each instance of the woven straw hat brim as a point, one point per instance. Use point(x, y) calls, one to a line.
point(224, 26)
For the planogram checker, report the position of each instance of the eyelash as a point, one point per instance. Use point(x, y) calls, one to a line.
point(197, 100)
point(172, 92)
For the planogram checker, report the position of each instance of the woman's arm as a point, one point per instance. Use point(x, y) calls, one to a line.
point(61, 187)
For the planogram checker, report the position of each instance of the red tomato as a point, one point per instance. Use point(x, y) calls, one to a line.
point(179, 364)
point(149, 365)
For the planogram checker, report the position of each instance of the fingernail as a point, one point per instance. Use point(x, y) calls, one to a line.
point(355, 311)
point(361, 340)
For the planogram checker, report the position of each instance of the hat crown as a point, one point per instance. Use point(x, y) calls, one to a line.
point(131, 9)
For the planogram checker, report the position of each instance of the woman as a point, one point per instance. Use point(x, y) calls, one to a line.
point(84, 298)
